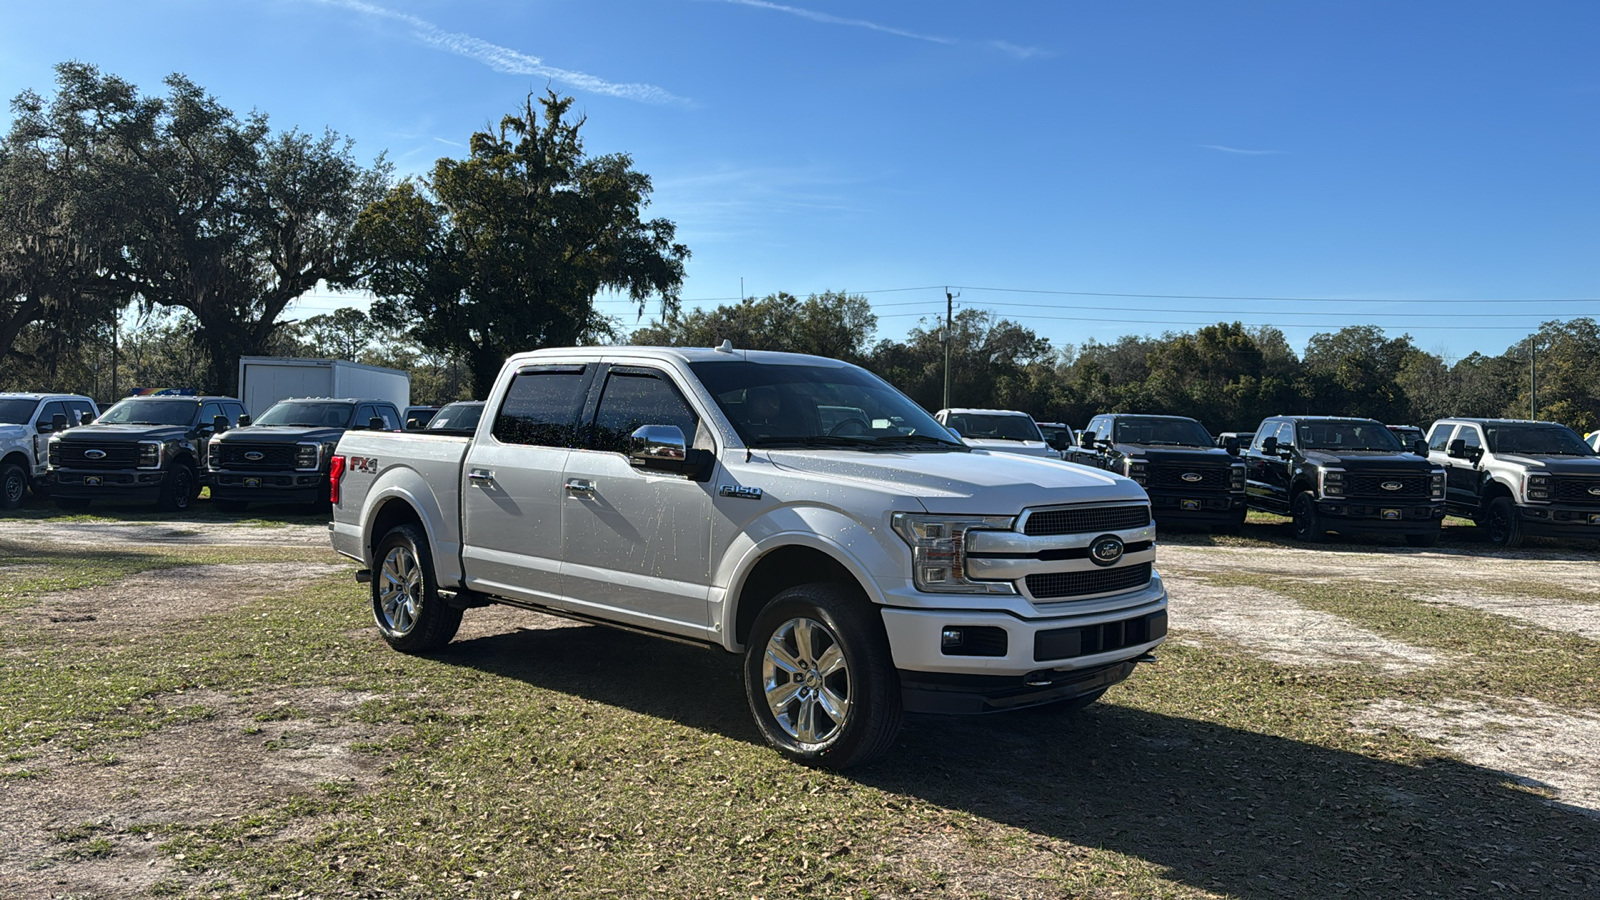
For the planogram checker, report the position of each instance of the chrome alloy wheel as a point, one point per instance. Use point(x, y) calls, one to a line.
point(807, 681)
point(400, 592)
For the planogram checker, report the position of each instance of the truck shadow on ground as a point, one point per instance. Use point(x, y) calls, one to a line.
point(1218, 808)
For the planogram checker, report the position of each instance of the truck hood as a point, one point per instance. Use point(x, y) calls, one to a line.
point(1025, 448)
point(1199, 456)
point(1554, 465)
point(88, 434)
point(1370, 460)
point(282, 434)
point(977, 483)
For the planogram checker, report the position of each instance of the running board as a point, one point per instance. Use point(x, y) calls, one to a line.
point(596, 620)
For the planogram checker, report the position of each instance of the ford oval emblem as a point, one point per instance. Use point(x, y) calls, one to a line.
point(1595, 490)
point(94, 454)
point(1105, 550)
point(1193, 476)
point(1392, 485)
point(255, 456)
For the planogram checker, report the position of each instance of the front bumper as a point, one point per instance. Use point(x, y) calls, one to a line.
point(1362, 515)
point(105, 484)
point(268, 487)
point(1556, 520)
point(933, 692)
point(1197, 509)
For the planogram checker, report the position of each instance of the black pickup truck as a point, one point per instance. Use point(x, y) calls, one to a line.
point(143, 448)
point(1190, 480)
point(1345, 475)
point(283, 457)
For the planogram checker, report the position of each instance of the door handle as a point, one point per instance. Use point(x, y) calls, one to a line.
point(580, 486)
point(482, 476)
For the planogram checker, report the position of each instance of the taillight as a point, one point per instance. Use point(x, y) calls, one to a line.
point(335, 474)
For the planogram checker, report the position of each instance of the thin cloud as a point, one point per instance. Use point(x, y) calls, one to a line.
point(505, 59)
point(829, 19)
point(1223, 149)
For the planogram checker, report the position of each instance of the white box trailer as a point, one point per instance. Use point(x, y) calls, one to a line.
point(264, 380)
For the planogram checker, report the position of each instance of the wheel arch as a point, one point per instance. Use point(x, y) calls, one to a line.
point(1494, 487)
point(780, 562)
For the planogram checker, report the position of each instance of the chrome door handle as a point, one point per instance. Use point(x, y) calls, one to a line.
point(580, 486)
point(481, 475)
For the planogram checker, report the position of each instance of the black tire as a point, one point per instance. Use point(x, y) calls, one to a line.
point(1426, 539)
point(72, 503)
point(231, 506)
point(178, 490)
point(831, 617)
point(13, 485)
point(1307, 524)
point(406, 605)
point(1505, 529)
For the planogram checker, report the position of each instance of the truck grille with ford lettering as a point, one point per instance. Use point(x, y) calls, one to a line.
point(1063, 585)
point(239, 455)
point(1578, 491)
point(1211, 478)
point(1376, 485)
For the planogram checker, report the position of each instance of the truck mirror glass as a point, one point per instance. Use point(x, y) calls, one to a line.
point(58, 422)
point(1086, 440)
point(1457, 450)
point(1231, 444)
point(375, 423)
point(1269, 446)
point(1419, 447)
point(657, 447)
point(244, 419)
point(86, 417)
point(219, 424)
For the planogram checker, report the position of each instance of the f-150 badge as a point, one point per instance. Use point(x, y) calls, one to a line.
point(740, 491)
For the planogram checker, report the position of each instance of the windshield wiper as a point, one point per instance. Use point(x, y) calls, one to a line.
point(814, 440)
point(922, 440)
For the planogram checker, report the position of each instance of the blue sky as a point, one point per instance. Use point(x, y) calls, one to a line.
point(1037, 156)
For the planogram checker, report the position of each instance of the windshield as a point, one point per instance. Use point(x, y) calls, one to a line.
point(1162, 432)
point(1348, 434)
point(151, 412)
point(308, 414)
point(457, 417)
point(1536, 440)
point(16, 412)
point(995, 426)
point(819, 406)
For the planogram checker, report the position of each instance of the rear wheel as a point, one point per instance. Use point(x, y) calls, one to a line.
point(1501, 520)
point(13, 484)
point(406, 605)
point(1303, 513)
point(820, 679)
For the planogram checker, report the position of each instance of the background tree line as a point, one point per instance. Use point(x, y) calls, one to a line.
point(152, 240)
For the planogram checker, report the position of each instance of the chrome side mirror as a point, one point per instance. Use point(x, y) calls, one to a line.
point(657, 447)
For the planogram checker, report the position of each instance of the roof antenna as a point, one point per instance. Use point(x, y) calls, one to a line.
point(726, 346)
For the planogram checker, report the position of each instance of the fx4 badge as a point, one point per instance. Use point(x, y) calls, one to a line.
point(364, 464)
point(740, 491)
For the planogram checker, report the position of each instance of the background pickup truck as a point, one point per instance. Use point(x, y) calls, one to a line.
point(864, 565)
point(283, 456)
point(1515, 477)
point(26, 423)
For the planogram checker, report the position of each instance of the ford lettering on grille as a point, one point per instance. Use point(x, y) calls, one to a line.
point(94, 454)
point(1595, 490)
point(255, 456)
point(1192, 476)
point(1391, 485)
point(1105, 550)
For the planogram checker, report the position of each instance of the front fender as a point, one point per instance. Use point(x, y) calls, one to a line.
point(855, 545)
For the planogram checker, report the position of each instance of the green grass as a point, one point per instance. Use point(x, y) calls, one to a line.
point(579, 761)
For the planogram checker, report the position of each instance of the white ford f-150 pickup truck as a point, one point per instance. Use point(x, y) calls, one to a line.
point(864, 564)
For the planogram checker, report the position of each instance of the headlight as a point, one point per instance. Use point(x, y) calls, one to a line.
point(55, 450)
point(1436, 485)
point(1537, 487)
point(307, 456)
point(214, 453)
point(939, 550)
point(1332, 482)
point(1134, 468)
point(1236, 478)
point(150, 453)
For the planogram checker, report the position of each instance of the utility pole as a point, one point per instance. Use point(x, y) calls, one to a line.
point(1533, 377)
point(949, 306)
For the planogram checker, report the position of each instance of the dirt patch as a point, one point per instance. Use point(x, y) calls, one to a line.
point(206, 534)
point(89, 826)
point(159, 598)
point(1280, 630)
point(1538, 746)
point(1391, 565)
point(1556, 615)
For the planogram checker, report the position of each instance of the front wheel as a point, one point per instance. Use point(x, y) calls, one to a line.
point(406, 605)
point(820, 679)
point(1501, 520)
point(179, 490)
point(1307, 524)
point(13, 484)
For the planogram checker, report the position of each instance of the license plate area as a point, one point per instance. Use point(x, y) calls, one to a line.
point(252, 482)
point(1390, 515)
point(1594, 518)
point(92, 480)
point(1189, 505)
